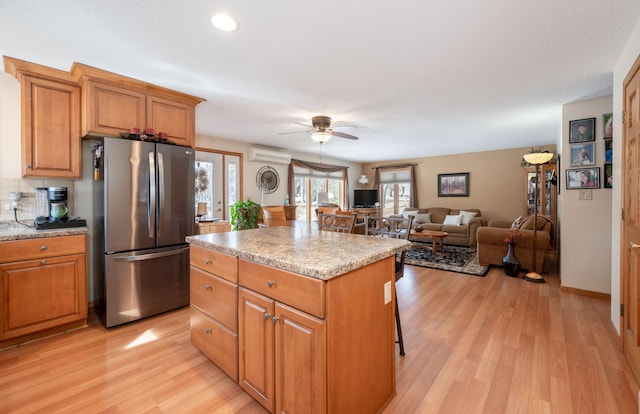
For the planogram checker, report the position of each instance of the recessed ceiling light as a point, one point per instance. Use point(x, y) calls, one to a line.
point(224, 22)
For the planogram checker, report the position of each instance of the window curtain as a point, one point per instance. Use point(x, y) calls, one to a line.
point(394, 173)
point(320, 168)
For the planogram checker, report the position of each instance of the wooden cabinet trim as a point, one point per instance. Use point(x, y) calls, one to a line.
point(80, 72)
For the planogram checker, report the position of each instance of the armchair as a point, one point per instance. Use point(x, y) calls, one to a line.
point(492, 247)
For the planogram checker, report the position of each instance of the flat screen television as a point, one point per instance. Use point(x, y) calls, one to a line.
point(365, 198)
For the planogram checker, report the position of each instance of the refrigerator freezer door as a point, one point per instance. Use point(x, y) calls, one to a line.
point(176, 205)
point(128, 202)
point(141, 284)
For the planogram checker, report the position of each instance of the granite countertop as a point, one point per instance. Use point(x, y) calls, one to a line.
point(10, 230)
point(318, 254)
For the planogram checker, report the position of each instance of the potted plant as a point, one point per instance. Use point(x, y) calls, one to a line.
point(244, 215)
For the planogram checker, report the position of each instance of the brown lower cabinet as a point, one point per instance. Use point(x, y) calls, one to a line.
point(42, 287)
point(299, 344)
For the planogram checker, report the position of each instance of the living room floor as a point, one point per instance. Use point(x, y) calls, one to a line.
point(474, 344)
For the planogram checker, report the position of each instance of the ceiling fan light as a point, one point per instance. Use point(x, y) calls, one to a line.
point(224, 22)
point(321, 136)
point(538, 157)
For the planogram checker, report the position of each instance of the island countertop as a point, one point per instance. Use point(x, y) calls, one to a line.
point(318, 254)
point(10, 230)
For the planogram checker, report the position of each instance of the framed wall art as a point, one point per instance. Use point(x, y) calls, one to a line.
point(583, 154)
point(583, 178)
point(608, 176)
point(582, 130)
point(608, 150)
point(607, 126)
point(453, 185)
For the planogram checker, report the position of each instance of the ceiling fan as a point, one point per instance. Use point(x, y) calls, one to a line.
point(322, 130)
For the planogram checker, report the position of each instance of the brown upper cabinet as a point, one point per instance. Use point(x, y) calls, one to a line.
point(50, 106)
point(113, 104)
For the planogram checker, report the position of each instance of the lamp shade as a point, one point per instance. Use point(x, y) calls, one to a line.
point(538, 157)
point(321, 136)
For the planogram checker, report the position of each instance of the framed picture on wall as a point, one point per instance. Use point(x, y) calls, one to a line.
point(583, 178)
point(608, 176)
point(582, 130)
point(583, 154)
point(453, 185)
point(607, 126)
point(608, 150)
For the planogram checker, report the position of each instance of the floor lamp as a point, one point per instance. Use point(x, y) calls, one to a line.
point(537, 159)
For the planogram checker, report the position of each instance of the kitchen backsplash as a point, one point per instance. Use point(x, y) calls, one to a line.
point(27, 188)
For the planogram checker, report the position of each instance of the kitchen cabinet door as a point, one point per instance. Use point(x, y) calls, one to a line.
point(111, 110)
point(50, 128)
point(300, 362)
point(40, 294)
point(178, 120)
point(256, 346)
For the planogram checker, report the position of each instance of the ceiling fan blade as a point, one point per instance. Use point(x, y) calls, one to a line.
point(293, 132)
point(344, 127)
point(343, 135)
point(304, 125)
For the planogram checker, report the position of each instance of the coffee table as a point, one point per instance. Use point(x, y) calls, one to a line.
point(426, 235)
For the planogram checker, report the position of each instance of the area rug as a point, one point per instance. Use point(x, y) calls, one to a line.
point(451, 258)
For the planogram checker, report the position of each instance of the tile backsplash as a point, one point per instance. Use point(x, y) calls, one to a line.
point(27, 188)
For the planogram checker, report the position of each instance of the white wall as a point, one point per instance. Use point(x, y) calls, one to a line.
point(585, 258)
point(9, 127)
point(626, 60)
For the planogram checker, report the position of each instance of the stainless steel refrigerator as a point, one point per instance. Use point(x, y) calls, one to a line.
point(148, 206)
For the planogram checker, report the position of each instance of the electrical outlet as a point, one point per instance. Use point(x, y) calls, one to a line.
point(387, 292)
point(6, 207)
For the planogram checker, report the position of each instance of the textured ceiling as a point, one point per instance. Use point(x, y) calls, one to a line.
point(418, 78)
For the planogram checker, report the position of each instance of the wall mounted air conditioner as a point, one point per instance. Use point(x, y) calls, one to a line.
point(268, 155)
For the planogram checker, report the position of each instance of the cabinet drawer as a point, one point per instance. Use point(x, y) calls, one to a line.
point(216, 297)
point(218, 343)
point(17, 250)
point(301, 292)
point(216, 263)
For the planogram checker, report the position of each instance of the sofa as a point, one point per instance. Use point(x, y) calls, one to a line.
point(492, 246)
point(460, 225)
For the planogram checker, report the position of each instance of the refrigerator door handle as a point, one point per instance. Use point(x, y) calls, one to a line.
point(140, 257)
point(161, 193)
point(151, 202)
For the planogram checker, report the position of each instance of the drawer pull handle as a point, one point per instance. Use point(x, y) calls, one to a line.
point(275, 319)
point(208, 331)
point(208, 287)
point(207, 261)
point(266, 315)
point(42, 262)
point(270, 283)
point(43, 248)
point(634, 245)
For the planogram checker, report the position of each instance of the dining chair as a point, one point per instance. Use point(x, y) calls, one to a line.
point(274, 216)
point(341, 222)
point(400, 257)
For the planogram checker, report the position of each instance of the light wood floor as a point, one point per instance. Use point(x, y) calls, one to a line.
point(493, 344)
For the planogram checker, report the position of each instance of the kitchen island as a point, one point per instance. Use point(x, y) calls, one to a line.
point(303, 320)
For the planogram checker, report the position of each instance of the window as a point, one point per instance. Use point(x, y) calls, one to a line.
point(317, 183)
point(396, 185)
